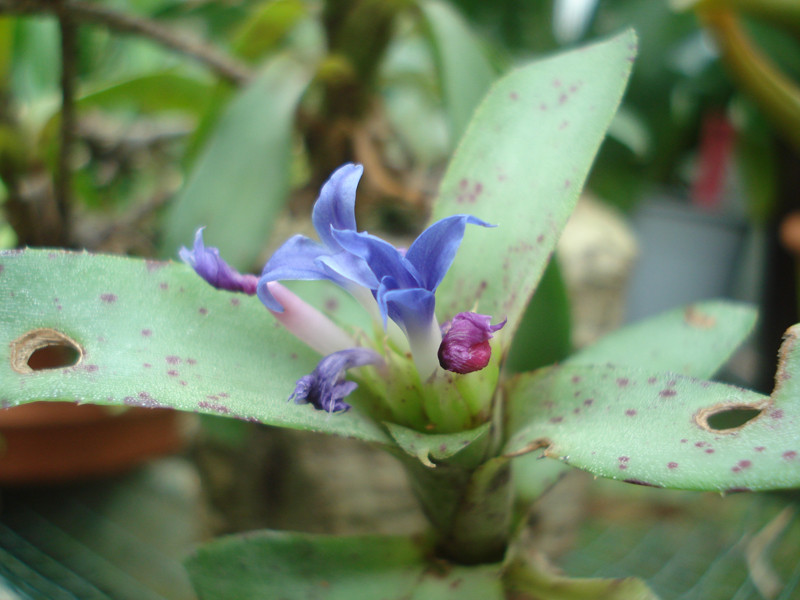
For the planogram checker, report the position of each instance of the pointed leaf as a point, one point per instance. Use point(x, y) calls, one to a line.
point(696, 340)
point(151, 334)
point(428, 447)
point(464, 71)
point(521, 165)
point(298, 566)
point(241, 180)
point(530, 582)
point(664, 430)
point(151, 93)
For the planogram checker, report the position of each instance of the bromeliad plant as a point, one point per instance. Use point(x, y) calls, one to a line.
point(635, 406)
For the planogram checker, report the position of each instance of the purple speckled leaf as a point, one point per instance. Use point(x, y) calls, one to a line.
point(694, 340)
point(662, 429)
point(153, 334)
point(521, 165)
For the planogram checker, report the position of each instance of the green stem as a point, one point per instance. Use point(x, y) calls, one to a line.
point(470, 508)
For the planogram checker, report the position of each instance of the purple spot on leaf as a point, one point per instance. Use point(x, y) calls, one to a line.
point(163, 285)
point(172, 373)
point(191, 361)
point(630, 412)
point(173, 360)
point(789, 455)
point(556, 419)
point(147, 365)
point(760, 448)
point(235, 301)
point(623, 381)
point(202, 310)
point(709, 451)
point(776, 414)
point(672, 465)
point(146, 333)
point(108, 298)
point(154, 265)
point(514, 96)
point(213, 406)
point(667, 393)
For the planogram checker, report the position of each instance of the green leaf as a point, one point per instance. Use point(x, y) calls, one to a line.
point(521, 166)
point(241, 180)
point(122, 538)
point(430, 447)
point(464, 71)
point(696, 340)
point(531, 582)
point(544, 333)
point(152, 334)
point(152, 93)
point(664, 430)
point(297, 566)
point(269, 23)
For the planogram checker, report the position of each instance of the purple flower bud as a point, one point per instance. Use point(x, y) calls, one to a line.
point(208, 264)
point(465, 342)
point(325, 387)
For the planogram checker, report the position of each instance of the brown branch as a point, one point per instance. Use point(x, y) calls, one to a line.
point(86, 12)
point(63, 178)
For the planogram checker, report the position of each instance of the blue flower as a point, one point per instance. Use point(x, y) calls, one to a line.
point(402, 283)
point(207, 262)
point(325, 387)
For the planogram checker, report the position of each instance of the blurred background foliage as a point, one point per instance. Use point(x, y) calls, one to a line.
point(126, 124)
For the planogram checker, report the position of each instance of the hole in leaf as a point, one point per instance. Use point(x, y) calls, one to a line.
point(53, 357)
point(728, 418)
point(732, 419)
point(42, 349)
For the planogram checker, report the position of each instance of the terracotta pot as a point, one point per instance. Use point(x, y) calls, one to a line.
point(46, 442)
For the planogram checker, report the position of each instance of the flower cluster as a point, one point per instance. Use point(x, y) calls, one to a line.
point(401, 285)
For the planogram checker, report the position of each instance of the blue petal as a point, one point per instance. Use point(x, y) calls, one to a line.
point(411, 308)
point(325, 387)
point(383, 259)
point(296, 259)
point(335, 206)
point(350, 267)
point(433, 251)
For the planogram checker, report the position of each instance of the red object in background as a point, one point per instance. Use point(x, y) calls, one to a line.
point(717, 139)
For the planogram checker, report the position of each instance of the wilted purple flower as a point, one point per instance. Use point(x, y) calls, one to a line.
point(465, 342)
point(207, 263)
point(325, 387)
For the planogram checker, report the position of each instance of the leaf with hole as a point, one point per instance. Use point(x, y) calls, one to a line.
point(662, 429)
point(149, 334)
